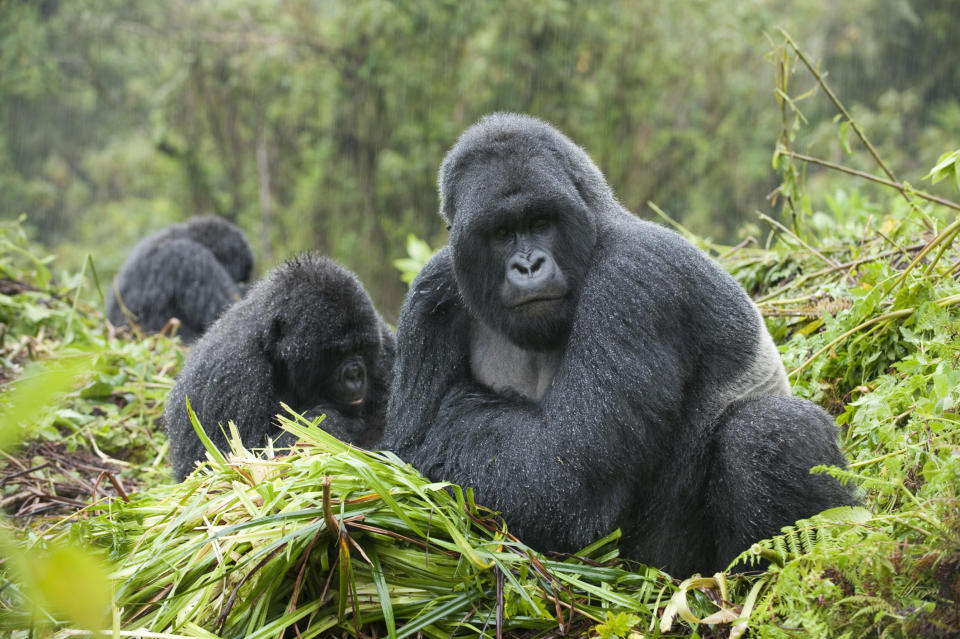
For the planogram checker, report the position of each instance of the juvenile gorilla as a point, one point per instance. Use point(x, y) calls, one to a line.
point(584, 370)
point(306, 335)
point(190, 271)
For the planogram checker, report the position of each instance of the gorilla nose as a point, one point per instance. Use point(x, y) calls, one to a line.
point(354, 377)
point(528, 265)
point(529, 271)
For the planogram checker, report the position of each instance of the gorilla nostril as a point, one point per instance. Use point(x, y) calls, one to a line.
point(519, 265)
point(528, 265)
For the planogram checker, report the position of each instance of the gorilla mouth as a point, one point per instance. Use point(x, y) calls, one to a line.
point(532, 300)
point(357, 402)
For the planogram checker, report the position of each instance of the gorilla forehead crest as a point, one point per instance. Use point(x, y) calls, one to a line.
point(523, 149)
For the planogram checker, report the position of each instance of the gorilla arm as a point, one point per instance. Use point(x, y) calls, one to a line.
point(221, 387)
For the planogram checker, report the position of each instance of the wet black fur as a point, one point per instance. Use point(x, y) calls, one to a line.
point(641, 428)
point(191, 271)
point(281, 343)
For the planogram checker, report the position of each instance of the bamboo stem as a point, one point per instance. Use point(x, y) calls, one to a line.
point(773, 222)
point(836, 102)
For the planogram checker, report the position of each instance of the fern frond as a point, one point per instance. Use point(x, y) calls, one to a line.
point(823, 533)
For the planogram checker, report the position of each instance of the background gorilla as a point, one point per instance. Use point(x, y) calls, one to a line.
point(584, 370)
point(306, 335)
point(191, 271)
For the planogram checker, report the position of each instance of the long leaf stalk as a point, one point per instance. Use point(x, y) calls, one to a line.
point(873, 178)
point(774, 295)
point(944, 239)
point(772, 222)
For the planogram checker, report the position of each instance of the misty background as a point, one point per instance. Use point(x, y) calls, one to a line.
point(321, 124)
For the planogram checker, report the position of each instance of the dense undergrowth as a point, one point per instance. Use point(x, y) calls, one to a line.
point(869, 326)
point(863, 298)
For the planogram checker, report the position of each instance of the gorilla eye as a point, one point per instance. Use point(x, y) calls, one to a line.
point(502, 233)
point(540, 224)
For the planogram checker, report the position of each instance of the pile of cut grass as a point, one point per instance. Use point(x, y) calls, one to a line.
point(332, 537)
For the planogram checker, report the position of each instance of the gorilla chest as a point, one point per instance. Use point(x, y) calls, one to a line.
point(503, 366)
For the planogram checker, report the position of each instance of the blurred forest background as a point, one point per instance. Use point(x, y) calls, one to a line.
point(321, 124)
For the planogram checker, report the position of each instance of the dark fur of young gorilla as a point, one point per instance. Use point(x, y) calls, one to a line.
point(585, 370)
point(191, 271)
point(306, 335)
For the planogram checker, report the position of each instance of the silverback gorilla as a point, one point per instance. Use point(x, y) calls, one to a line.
point(191, 271)
point(584, 370)
point(306, 335)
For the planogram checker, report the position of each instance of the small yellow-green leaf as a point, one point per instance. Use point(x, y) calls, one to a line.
point(618, 625)
point(811, 327)
point(847, 514)
point(948, 165)
point(843, 136)
point(71, 582)
point(890, 224)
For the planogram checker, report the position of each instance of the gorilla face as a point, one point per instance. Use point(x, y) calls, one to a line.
point(334, 377)
point(521, 251)
point(310, 372)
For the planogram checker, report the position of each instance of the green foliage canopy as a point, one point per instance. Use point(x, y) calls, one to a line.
point(322, 124)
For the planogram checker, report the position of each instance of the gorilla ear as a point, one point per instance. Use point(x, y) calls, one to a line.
point(270, 339)
point(445, 180)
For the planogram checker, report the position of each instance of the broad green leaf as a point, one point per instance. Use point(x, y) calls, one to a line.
point(948, 165)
